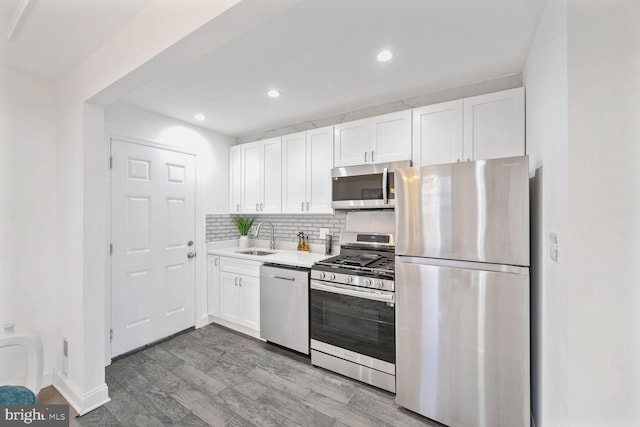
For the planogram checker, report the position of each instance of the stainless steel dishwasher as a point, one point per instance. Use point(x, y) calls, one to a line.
point(284, 306)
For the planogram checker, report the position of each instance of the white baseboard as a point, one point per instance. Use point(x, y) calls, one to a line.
point(82, 403)
point(236, 327)
point(204, 320)
point(47, 378)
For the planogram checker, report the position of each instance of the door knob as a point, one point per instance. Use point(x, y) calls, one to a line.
point(190, 243)
point(191, 255)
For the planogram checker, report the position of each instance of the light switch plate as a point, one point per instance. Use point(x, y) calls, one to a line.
point(324, 232)
point(554, 251)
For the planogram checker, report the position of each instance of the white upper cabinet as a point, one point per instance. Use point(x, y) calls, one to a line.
point(250, 177)
point(494, 125)
point(258, 166)
point(482, 127)
point(319, 165)
point(437, 133)
point(294, 172)
point(307, 159)
point(351, 143)
point(391, 137)
point(379, 139)
point(235, 178)
point(271, 176)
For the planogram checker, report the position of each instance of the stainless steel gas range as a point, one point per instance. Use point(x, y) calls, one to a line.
point(353, 310)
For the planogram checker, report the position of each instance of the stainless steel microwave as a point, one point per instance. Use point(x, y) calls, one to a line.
point(365, 186)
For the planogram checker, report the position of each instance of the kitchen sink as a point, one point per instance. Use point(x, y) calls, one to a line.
point(255, 252)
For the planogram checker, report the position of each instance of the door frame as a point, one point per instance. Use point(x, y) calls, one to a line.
point(200, 235)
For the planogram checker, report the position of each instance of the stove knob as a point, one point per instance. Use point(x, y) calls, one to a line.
point(331, 276)
point(349, 279)
point(378, 284)
point(366, 282)
point(321, 275)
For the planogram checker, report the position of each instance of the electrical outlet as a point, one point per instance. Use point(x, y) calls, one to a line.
point(252, 230)
point(324, 232)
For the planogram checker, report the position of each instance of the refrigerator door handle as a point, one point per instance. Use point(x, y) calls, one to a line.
point(469, 265)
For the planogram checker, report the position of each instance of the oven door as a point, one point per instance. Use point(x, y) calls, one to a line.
point(360, 320)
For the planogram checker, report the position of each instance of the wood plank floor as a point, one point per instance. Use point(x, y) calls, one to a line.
point(214, 376)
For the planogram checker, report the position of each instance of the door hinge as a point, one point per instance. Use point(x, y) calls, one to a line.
point(110, 248)
point(111, 162)
point(111, 334)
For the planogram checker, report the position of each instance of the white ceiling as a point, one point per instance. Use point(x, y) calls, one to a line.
point(55, 36)
point(321, 56)
point(319, 53)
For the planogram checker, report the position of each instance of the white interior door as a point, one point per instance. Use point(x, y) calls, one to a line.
point(152, 233)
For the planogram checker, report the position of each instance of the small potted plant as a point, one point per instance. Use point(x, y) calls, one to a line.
point(244, 224)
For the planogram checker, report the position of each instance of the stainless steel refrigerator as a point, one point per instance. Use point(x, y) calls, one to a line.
point(462, 292)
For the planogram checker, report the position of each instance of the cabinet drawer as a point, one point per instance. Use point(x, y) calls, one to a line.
point(240, 266)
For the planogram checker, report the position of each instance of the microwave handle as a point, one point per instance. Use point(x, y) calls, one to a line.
point(385, 181)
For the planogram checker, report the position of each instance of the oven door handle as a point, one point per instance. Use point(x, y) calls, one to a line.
point(371, 295)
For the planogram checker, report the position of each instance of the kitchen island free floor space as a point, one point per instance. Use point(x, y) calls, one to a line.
point(213, 376)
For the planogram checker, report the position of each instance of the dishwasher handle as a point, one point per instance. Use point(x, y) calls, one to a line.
point(273, 276)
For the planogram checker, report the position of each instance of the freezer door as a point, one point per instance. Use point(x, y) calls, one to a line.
point(471, 211)
point(462, 339)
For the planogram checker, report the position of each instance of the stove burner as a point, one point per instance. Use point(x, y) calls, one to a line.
point(361, 260)
point(366, 262)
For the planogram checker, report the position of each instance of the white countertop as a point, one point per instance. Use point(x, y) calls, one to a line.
point(279, 256)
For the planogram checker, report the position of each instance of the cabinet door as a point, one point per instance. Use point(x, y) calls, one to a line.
point(250, 302)
point(271, 173)
point(250, 177)
point(230, 297)
point(319, 164)
point(294, 159)
point(351, 143)
point(235, 178)
point(494, 125)
point(213, 285)
point(390, 137)
point(437, 134)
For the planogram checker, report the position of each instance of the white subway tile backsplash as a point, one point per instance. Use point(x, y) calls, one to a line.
point(286, 227)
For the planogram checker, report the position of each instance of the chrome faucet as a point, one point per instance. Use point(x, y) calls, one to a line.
point(272, 244)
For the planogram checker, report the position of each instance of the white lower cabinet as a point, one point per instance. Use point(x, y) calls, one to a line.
point(213, 285)
point(237, 291)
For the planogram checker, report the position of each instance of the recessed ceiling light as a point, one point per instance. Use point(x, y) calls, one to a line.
point(199, 117)
point(384, 56)
point(274, 93)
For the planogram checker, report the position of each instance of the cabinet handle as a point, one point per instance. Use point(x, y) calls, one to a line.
point(235, 280)
point(240, 281)
point(365, 157)
point(215, 262)
point(372, 156)
point(307, 206)
point(261, 207)
point(302, 206)
point(257, 207)
point(238, 207)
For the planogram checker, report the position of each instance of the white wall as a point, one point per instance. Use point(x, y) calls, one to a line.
point(155, 41)
point(604, 212)
point(545, 78)
point(212, 168)
point(27, 215)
